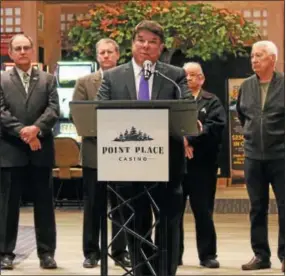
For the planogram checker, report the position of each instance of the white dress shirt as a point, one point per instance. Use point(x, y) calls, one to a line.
point(21, 74)
point(137, 75)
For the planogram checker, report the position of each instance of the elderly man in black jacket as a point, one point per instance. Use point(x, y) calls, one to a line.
point(261, 111)
point(200, 181)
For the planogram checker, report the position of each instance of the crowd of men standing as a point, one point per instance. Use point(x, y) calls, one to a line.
point(29, 109)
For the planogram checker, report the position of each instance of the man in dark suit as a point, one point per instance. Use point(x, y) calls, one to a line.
point(124, 83)
point(200, 181)
point(107, 54)
point(29, 109)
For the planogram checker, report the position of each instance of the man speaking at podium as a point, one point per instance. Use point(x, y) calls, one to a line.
point(128, 82)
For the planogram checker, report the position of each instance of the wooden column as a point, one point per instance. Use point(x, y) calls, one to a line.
point(276, 31)
point(29, 23)
point(52, 38)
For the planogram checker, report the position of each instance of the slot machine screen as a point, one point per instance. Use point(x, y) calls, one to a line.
point(65, 96)
point(68, 74)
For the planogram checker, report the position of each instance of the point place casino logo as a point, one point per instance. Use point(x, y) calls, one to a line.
point(133, 153)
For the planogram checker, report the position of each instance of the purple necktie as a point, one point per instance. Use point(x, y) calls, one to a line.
point(143, 93)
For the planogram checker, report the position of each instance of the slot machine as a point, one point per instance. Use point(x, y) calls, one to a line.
point(66, 74)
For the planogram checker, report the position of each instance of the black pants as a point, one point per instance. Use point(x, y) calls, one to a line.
point(91, 220)
point(200, 185)
point(11, 185)
point(169, 200)
point(258, 175)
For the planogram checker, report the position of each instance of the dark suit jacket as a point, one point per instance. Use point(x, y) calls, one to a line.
point(119, 84)
point(207, 144)
point(86, 89)
point(40, 107)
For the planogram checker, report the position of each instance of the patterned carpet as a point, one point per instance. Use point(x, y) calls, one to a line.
point(236, 206)
point(26, 243)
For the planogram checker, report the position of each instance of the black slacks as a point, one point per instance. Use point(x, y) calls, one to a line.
point(11, 185)
point(92, 194)
point(200, 185)
point(258, 175)
point(169, 200)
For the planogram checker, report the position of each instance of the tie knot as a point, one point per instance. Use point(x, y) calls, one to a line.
point(26, 77)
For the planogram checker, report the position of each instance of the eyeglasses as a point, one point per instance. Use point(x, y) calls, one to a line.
point(22, 48)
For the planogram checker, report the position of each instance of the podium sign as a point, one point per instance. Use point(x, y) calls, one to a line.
point(133, 144)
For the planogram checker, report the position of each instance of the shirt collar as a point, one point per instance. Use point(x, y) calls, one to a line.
point(198, 96)
point(21, 72)
point(101, 72)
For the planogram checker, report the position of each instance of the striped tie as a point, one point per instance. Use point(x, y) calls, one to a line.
point(26, 80)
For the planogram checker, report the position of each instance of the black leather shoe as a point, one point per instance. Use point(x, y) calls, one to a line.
point(122, 260)
point(48, 262)
point(7, 262)
point(210, 263)
point(91, 261)
point(256, 263)
point(180, 263)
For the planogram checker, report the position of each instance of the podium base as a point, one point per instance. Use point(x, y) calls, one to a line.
point(140, 244)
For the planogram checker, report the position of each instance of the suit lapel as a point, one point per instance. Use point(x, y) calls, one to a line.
point(199, 100)
point(33, 81)
point(96, 82)
point(17, 81)
point(130, 81)
point(96, 77)
point(157, 81)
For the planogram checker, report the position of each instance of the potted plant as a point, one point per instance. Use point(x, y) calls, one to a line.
point(198, 30)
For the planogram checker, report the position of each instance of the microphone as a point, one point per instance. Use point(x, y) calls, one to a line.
point(147, 65)
point(167, 78)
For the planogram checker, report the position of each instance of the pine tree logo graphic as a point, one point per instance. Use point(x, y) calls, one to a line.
point(132, 135)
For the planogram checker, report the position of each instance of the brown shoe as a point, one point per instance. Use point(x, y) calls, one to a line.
point(283, 266)
point(256, 263)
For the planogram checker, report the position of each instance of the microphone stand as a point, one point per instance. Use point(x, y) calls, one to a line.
point(167, 78)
